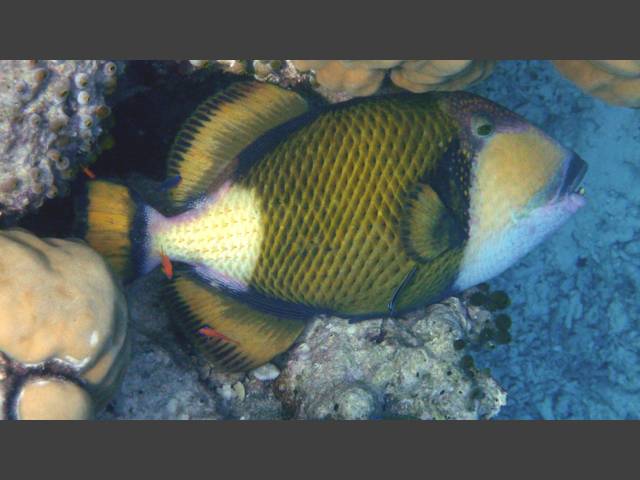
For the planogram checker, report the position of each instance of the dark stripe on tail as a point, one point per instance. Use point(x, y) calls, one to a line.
point(111, 218)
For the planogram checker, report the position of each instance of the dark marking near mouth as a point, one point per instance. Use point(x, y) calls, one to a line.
point(575, 173)
point(451, 180)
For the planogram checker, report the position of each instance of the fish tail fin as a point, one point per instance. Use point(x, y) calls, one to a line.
point(115, 222)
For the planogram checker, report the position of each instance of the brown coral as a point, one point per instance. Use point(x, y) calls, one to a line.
point(419, 76)
point(63, 328)
point(614, 81)
point(364, 77)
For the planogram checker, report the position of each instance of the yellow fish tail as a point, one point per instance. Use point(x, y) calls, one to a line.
point(113, 222)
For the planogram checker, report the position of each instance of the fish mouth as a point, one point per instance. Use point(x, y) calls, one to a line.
point(573, 177)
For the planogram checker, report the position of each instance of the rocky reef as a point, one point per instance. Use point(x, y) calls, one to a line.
point(409, 368)
point(419, 367)
point(615, 81)
point(63, 329)
point(50, 121)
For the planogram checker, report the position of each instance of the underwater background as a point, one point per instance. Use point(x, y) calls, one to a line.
point(575, 304)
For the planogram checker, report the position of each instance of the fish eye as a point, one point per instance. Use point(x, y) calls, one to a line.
point(482, 127)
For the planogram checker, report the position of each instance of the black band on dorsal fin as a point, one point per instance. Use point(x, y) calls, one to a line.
point(205, 150)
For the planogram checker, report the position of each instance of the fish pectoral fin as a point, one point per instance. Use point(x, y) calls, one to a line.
point(231, 334)
point(204, 152)
point(428, 228)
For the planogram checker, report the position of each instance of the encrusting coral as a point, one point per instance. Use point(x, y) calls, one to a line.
point(614, 81)
point(63, 329)
point(50, 115)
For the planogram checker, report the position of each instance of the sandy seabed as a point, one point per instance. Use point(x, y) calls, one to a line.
point(576, 309)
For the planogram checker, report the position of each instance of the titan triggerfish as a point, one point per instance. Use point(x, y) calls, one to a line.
point(281, 210)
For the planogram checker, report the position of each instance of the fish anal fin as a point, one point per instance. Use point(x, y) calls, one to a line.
point(205, 150)
point(428, 227)
point(230, 333)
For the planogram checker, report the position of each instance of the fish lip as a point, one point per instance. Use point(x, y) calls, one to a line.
point(575, 201)
point(576, 171)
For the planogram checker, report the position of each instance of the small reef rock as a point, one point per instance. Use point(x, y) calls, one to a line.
point(416, 367)
point(63, 329)
point(408, 368)
point(50, 122)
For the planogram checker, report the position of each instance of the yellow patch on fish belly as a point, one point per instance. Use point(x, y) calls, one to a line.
point(224, 235)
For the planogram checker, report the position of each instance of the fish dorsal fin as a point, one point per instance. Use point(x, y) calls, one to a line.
point(204, 150)
point(230, 333)
point(428, 227)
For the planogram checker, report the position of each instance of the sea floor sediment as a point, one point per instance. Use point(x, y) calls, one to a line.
point(575, 305)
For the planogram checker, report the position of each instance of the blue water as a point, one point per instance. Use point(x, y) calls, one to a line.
point(576, 308)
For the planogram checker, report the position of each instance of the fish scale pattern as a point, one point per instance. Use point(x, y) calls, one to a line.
point(333, 196)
